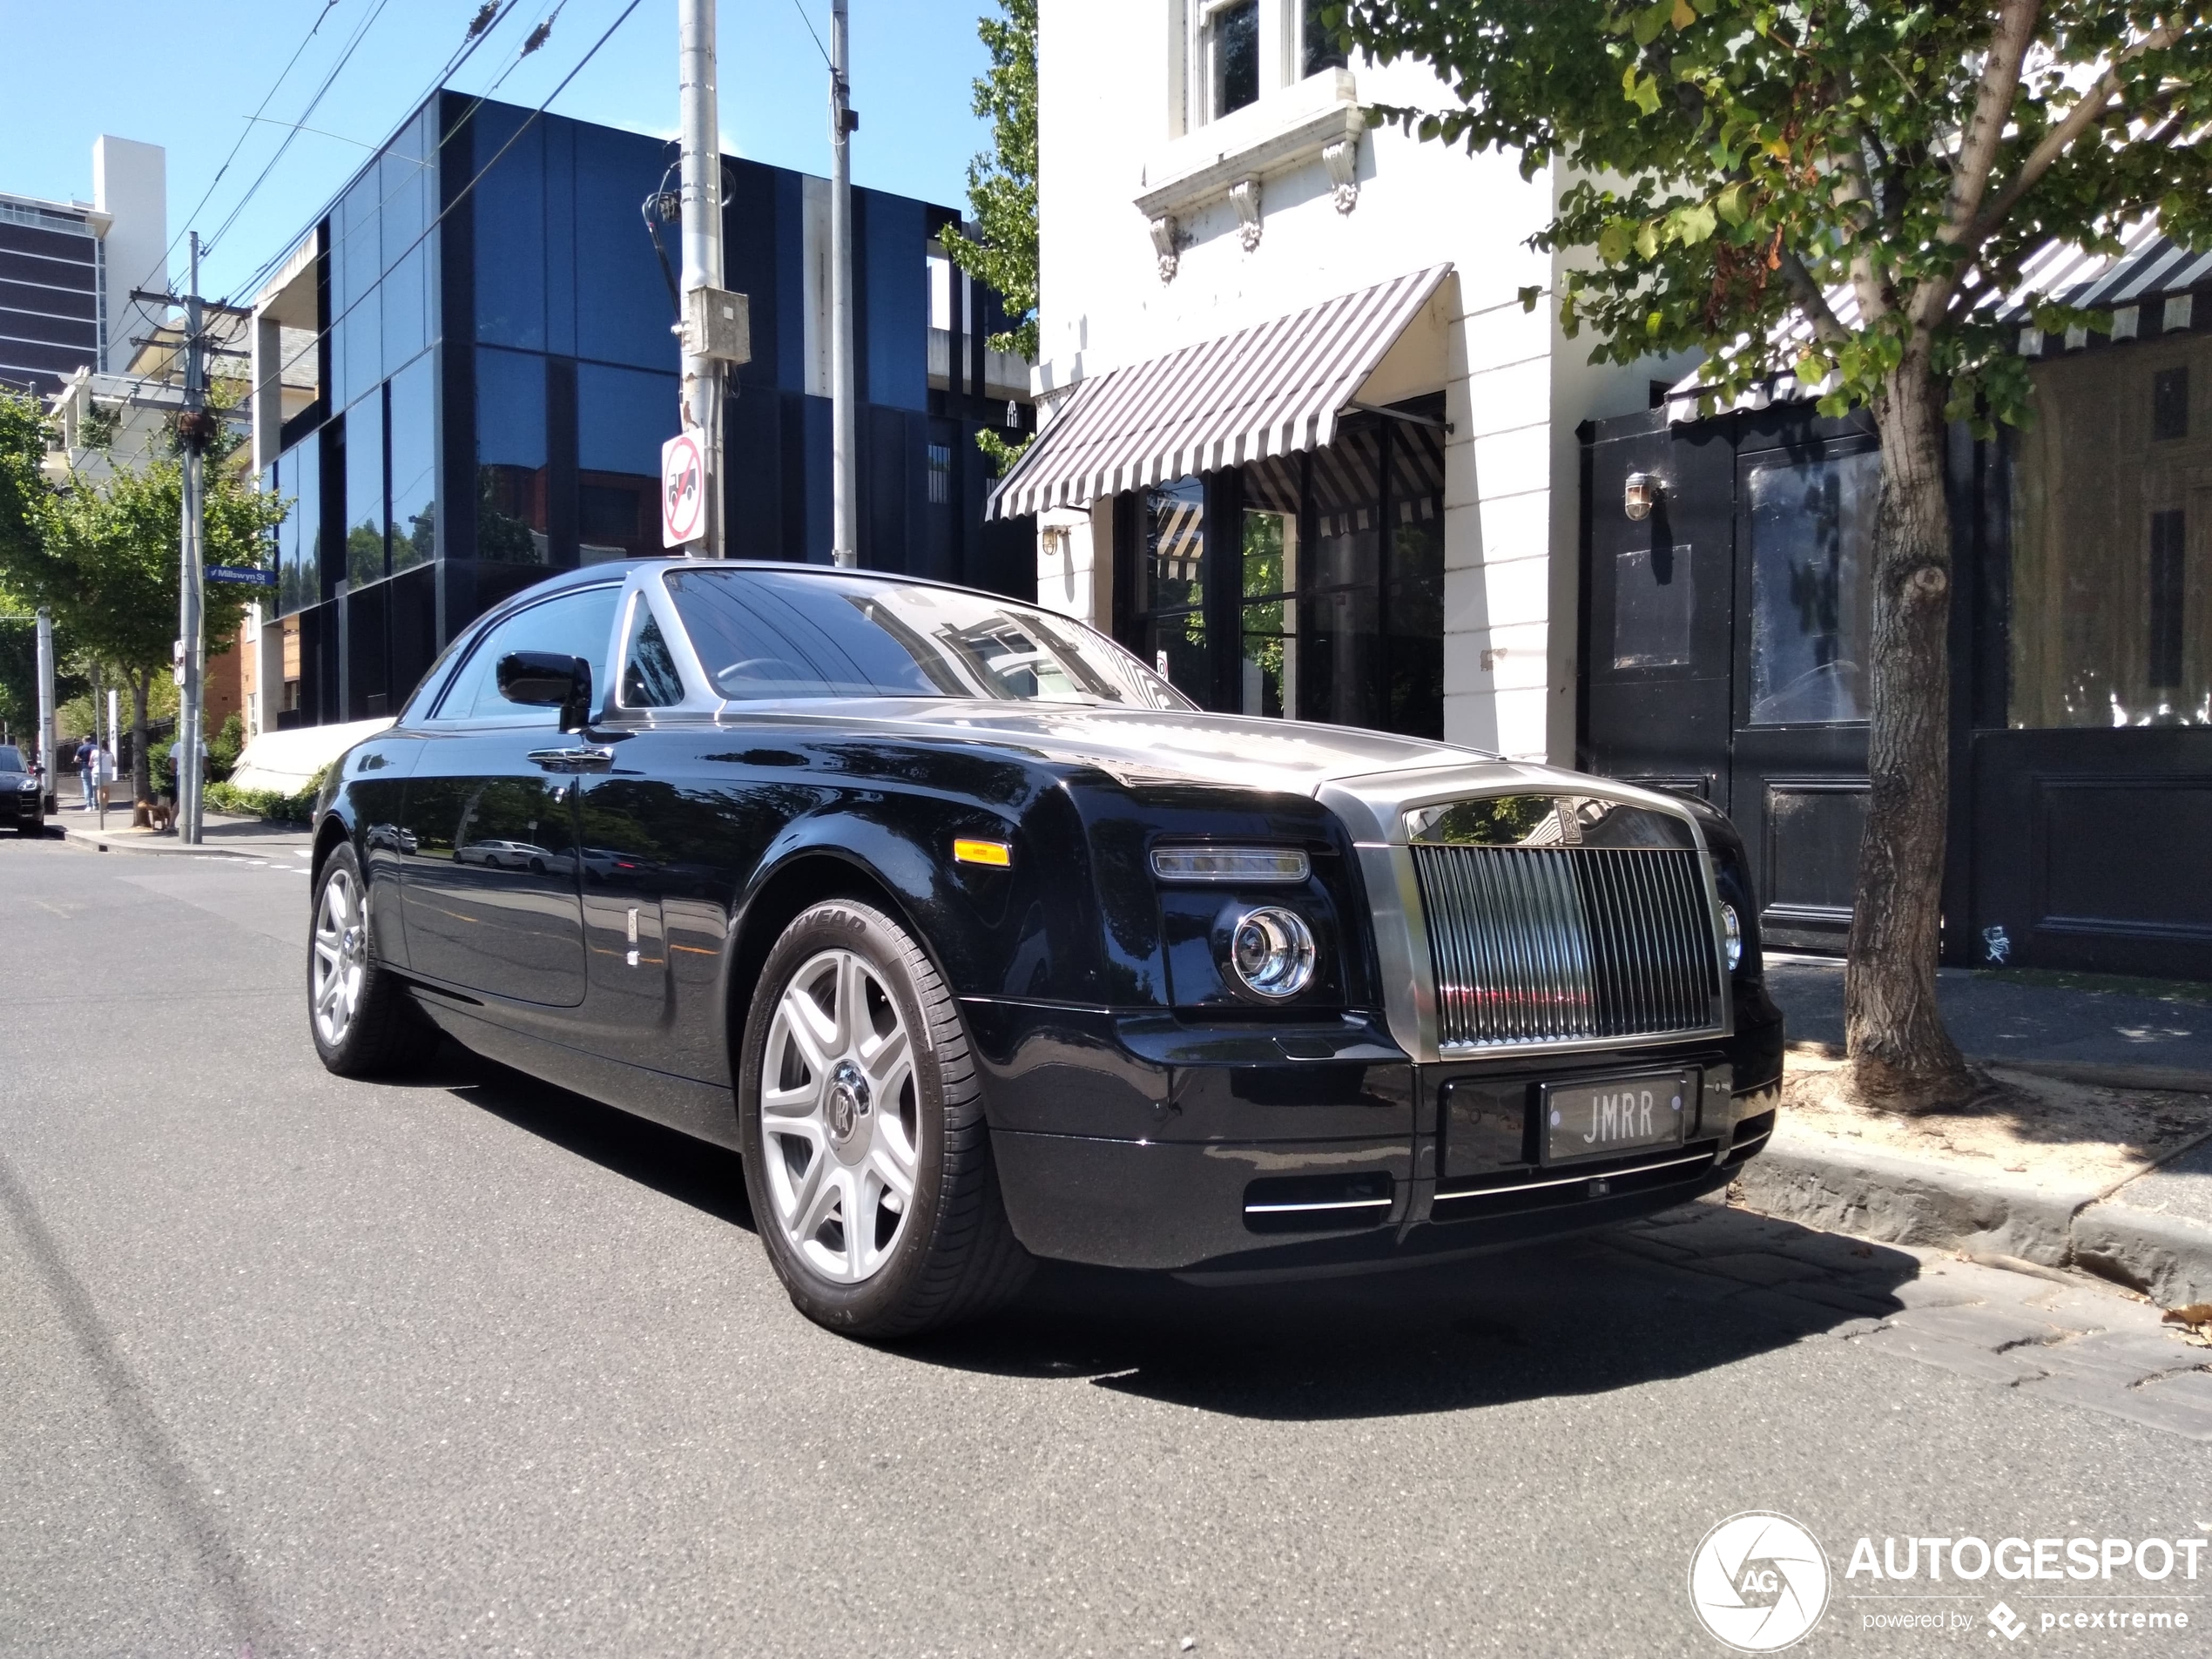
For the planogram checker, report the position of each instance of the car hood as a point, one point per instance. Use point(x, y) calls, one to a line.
point(1139, 746)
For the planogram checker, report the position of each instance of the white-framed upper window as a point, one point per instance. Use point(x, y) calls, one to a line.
point(1234, 52)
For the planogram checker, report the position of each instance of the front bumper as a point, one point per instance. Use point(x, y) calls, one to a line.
point(1148, 1143)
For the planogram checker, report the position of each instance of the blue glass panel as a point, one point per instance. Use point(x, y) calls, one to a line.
point(560, 237)
point(356, 309)
point(300, 576)
point(510, 204)
point(623, 417)
point(624, 310)
point(512, 484)
point(898, 302)
point(365, 516)
point(406, 301)
point(414, 463)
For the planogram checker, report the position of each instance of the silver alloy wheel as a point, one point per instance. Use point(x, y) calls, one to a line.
point(840, 1116)
point(341, 956)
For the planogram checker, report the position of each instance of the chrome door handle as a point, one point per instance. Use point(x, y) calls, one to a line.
point(587, 758)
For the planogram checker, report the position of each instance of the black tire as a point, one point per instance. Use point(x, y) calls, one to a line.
point(387, 1034)
point(954, 1257)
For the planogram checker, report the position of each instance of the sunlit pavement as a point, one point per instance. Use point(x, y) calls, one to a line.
point(295, 1364)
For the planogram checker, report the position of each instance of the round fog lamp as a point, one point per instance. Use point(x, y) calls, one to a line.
point(1272, 949)
point(1732, 936)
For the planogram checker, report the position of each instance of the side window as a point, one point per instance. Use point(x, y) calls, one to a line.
point(649, 675)
point(576, 625)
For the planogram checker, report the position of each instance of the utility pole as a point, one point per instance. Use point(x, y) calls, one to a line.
point(702, 211)
point(844, 458)
point(46, 705)
point(192, 429)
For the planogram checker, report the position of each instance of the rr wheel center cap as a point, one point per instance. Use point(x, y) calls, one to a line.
point(849, 1107)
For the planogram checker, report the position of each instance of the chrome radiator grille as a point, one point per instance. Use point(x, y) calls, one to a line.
point(1534, 945)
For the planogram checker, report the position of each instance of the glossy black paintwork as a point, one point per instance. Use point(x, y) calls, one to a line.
point(601, 925)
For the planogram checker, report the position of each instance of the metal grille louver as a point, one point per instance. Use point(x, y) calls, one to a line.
point(1567, 944)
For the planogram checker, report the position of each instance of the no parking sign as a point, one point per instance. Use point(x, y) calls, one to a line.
point(683, 490)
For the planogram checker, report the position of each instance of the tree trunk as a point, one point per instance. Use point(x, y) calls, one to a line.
point(1901, 1056)
point(141, 773)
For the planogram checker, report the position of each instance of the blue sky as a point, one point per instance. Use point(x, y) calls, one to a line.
point(186, 78)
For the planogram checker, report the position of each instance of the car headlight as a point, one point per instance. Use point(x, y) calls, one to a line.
point(1732, 935)
point(1287, 865)
point(1271, 950)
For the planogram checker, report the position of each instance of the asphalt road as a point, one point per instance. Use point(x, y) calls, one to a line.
point(292, 1365)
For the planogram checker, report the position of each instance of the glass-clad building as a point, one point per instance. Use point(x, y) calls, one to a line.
point(488, 320)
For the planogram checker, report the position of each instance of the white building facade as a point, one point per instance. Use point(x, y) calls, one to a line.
point(1304, 445)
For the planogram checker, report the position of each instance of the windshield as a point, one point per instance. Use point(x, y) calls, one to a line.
point(776, 635)
point(11, 759)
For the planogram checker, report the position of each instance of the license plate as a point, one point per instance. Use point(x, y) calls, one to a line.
point(1596, 1120)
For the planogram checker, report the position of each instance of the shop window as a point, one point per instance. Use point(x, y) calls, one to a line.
point(2111, 617)
point(1812, 543)
point(1232, 50)
point(1412, 598)
point(2169, 404)
point(2168, 542)
point(1323, 47)
point(1169, 620)
point(1653, 604)
point(1340, 585)
point(1268, 588)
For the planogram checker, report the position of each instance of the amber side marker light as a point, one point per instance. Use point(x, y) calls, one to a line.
point(997, 854)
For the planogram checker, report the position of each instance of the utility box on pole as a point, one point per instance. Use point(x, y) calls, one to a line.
point(718, 326)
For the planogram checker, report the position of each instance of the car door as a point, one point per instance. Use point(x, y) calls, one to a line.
point(491, 879)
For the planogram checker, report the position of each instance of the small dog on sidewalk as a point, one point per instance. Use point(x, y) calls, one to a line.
point(160, 814)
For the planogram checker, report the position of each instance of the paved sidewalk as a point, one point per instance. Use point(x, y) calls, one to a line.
point(221, 836)
point(2008, 1017)
point(2152, 1232)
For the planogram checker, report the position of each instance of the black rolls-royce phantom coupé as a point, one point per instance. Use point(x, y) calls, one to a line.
point(980, 943)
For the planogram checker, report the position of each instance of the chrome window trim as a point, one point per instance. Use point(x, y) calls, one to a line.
point(1373, 809)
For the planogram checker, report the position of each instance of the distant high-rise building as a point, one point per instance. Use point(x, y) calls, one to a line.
point(67, 269)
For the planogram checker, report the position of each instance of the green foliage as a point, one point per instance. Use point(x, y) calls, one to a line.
point(224, 747)
point(109, 562)
point(1002, 452)
point(1002, 186)
point(1733, 161)
point(265, 803)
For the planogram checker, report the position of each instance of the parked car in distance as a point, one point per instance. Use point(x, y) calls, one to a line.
point(23, 793)
point(982, 943)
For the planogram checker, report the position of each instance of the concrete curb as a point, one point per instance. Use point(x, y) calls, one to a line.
point(94, 839)
point(1904, 1201)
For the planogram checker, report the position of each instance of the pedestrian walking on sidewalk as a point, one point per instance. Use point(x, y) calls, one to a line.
point(103, 773)
point(87, 771)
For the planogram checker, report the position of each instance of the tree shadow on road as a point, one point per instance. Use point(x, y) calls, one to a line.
point(709, 1178)
point(1579, 1317)
point(1701, 1287)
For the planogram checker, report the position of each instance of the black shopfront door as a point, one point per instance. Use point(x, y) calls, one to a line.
point(1725, 641)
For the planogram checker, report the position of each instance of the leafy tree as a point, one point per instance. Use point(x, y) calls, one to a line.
point(1736, 164)
point(1003, 191)
point(109, 567)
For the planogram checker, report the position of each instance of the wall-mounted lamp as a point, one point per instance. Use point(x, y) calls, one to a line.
point(1643, 492)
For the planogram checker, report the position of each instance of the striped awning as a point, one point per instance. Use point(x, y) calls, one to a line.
point(1273, 389)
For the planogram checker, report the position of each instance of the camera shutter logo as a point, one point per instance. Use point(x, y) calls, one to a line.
point(1758, 1583)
